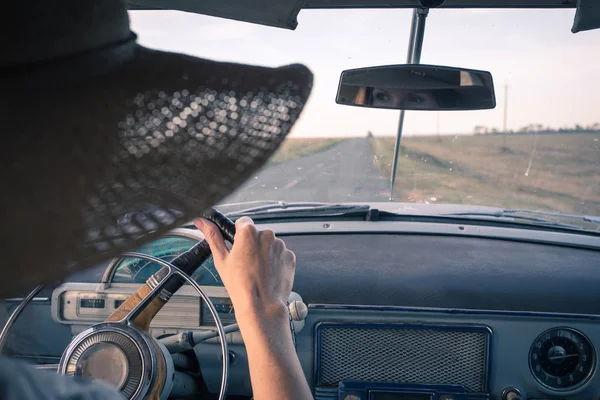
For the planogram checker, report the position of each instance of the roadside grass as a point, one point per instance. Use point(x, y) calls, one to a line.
point(293, 148)
point(551, 172)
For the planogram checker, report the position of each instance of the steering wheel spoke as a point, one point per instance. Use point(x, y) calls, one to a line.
point(153, 290)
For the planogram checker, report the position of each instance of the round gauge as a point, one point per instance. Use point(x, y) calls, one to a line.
point(138, 270)
point(562, 359)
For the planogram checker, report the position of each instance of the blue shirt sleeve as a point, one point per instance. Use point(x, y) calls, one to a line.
point(21, 381)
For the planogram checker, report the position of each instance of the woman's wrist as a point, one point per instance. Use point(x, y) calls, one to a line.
point(262, 317)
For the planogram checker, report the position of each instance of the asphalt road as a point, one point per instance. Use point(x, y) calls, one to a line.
point(344, 172)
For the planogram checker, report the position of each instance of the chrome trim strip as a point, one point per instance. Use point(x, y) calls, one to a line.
point(447, 4)
point(109, 272)
point(543, 314)
point(164, 294)
point(449, 228)
point(15, 314)
point(34, 300)
point(51, 367)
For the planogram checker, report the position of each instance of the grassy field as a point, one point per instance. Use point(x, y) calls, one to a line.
point(554, 172)
point(296, 148)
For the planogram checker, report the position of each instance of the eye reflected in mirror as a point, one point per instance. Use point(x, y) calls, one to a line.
point(417, 87)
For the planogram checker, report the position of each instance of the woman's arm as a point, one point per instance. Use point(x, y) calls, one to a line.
point(258, 273)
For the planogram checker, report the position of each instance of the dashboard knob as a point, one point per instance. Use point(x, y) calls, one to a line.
point(298, 310)
point(511, 394)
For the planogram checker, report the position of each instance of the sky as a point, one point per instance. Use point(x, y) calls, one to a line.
point(553, 75)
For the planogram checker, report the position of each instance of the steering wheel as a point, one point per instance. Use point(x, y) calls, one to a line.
point(120, 350)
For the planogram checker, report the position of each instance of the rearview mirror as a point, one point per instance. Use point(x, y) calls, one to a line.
point(417, 87)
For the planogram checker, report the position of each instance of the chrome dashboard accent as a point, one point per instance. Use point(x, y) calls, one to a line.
point(358, 307)
point(125, 368)
point(49, 367)
point(20, 299)
point(389, 4)
point(527, 234)
point(583, 342)
point(164, 294)
point(506, 390)
point(15, 314)
point(183, 311)
point(143, 380)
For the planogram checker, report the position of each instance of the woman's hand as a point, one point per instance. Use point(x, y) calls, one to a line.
point(258, 271)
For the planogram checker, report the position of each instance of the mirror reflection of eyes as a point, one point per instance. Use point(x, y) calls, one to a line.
point(401, 97)
point(381, 95)
point(415, 99)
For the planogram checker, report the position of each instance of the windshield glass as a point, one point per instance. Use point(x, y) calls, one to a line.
point(539, 149)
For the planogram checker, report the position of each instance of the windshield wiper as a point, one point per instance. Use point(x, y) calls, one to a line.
point(537, 217)
point(300, 209)
point(584, 218)
point(282, 209)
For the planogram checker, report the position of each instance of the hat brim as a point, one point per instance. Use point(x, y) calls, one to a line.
point(99, 167)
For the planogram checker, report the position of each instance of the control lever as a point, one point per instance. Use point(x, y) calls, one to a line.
point(187, 340)
point(298, 310)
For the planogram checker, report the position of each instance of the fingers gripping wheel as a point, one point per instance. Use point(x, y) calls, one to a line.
point(121, 351)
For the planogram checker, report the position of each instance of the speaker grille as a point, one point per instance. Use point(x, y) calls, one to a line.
point(402, 354)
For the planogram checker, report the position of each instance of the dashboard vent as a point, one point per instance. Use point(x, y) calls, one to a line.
point(400, 353)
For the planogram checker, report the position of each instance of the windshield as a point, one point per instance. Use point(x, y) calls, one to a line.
point(539, 149)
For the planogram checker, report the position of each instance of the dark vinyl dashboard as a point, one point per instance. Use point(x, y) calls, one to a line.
point(449, 311)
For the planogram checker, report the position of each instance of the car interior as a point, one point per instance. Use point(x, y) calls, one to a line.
point(391, 300)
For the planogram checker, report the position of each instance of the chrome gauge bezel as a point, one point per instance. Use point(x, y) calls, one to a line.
point(138, 385)
point(574, 336)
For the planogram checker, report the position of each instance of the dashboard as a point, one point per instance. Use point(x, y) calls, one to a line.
point(395, 311)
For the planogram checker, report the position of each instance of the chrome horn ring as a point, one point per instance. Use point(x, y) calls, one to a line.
point(136, 347)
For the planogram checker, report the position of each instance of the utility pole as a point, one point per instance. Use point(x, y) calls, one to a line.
point(505, 126)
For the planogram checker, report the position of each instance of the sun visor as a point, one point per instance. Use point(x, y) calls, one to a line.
point(587, 16)
point(277, 13)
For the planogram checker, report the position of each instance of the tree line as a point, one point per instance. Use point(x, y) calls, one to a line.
point(538, 128)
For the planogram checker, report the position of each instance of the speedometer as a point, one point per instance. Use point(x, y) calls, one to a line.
point(138, 270)
point(562, 359)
